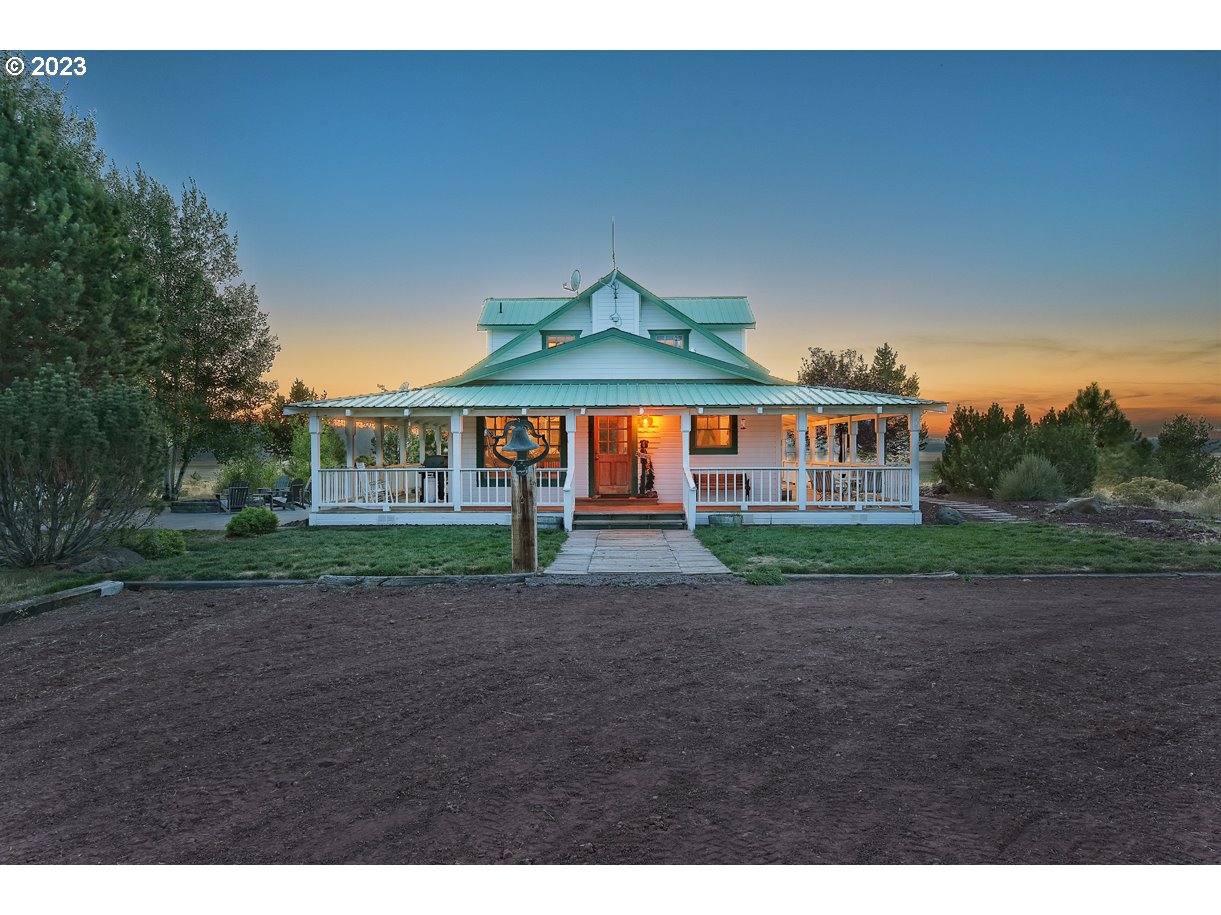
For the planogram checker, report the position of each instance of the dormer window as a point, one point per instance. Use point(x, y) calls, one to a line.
point(679, 339)
point(553, 338)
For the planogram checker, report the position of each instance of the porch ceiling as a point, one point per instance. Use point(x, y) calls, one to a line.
point(609, 394)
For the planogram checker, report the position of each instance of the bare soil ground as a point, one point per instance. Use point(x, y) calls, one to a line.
point(1048, 720)
point(1131, 521)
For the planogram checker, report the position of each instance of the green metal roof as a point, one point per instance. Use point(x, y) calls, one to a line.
point(486, 368)
point(717, 311)
point(517, 312)
point(575, 394)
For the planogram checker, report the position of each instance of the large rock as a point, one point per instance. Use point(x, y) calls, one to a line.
point(109, 559)
point(947, 515)
point(1086, 505)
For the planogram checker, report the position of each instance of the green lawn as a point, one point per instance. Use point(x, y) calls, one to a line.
point(307, 553)
point(967, 549)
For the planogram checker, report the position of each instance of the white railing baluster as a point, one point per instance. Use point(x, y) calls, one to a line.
point(828, 485)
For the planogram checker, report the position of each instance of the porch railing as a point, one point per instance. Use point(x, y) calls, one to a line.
point(825, 486)
point(491, 486)
point(387, 488)
point(384, 487)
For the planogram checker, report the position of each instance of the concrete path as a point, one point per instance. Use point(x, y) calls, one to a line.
point(974, 512)
point(214, 521)
point(634, 552)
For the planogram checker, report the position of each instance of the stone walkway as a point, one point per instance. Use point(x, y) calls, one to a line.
point(634, 552)
point(974, 512)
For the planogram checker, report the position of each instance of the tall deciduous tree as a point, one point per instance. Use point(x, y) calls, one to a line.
point(217, 345)
point(71, 281)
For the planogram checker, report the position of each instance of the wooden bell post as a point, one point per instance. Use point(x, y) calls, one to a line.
point(517, 438)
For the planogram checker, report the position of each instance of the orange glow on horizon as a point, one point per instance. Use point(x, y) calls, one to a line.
point(1151, 378)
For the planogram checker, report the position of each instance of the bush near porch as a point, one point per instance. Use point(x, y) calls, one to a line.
point(969, 549)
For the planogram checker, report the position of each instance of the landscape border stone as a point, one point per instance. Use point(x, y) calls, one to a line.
point(33, 606)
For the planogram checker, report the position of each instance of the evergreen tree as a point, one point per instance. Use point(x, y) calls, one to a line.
point(885, 374)
point(830, 369)
point(1098, 410)
point(71, 281)
point(277, 428)
point(1180, 452)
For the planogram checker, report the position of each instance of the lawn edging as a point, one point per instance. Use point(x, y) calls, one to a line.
point(952, 576)
point(33, 606)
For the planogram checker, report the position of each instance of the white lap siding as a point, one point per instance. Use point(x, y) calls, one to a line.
point(759, 443)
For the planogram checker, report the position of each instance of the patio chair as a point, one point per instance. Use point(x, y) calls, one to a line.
point(296, 493)
point(279, 494)
point(235, 497)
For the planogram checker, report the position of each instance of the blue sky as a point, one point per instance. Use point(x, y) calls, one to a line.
point(1016, 224)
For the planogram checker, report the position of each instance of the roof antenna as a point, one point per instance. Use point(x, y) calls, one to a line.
point(615, 317)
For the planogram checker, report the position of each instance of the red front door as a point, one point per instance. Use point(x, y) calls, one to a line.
point(612, 459)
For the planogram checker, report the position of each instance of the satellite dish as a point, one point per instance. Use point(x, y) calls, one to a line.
point(574, 282)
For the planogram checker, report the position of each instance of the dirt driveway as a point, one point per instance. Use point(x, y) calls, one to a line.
point(1061, 720)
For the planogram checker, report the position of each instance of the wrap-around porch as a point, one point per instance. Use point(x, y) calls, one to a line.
point(802, 466)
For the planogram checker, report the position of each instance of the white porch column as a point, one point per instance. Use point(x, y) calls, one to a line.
point(570, 459)
point(381, 443)
point(402, 441)
point(315, 462)
point(880, 423)
point(455, 460)
point(852, 424)
point(570, 453)
point(913, 429)
point(689, 497)
point(350, 440)
point(803, 424)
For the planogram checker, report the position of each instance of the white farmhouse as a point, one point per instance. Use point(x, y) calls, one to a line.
point(629, 389)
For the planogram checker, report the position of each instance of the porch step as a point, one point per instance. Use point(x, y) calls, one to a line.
point(621, 520)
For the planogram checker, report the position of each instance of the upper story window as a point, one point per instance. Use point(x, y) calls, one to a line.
point(676, 338)
point(552, 338)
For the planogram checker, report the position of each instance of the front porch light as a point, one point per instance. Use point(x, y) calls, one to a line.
point(645, 422)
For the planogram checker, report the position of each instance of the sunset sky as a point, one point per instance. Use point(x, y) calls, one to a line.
point(1016, 225)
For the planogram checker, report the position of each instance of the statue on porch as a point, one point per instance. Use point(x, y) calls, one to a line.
point(647, 476)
